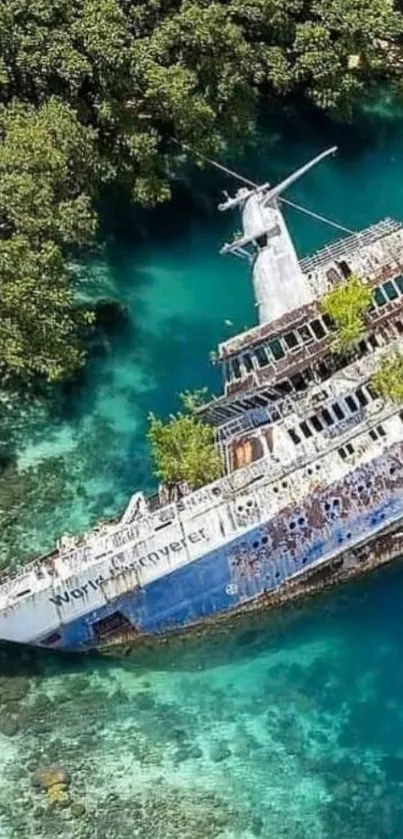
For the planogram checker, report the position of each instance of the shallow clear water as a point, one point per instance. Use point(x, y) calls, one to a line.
point(290, 727)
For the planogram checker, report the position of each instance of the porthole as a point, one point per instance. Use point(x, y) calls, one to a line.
point(255, 545)
point(301, 521)
point(265, 540)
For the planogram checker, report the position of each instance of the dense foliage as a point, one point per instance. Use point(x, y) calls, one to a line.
point(93, 91)
point(183, 448)
point(387, 379)
point(346, 304)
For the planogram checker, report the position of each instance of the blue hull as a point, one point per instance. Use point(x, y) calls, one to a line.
point(345, 514)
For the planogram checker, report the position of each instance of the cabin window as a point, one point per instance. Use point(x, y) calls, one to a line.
point(261, 355)
point(327, 417)
point(351, 404)
point(318, 329)
point(236, 367)
point(399, 326)
point(284, 387)
point(349, 448)
point(344, 268)
point(316, 423)
point(361, 397)
point(373, 341)
point(327, 321)
point(390, 290)
point(294, 436)
point(305, 429)
point(370, 390)
point(399, 282)
point(260, 401)
point(342, 452)
point(379, 297)
point(249, 404)
point(248, 363)
point(275, 414)
point(381, 431)
point(291, 339)
point(337, 411)
point(298, 382)
point(323, 371)
point(305, 334)
point(276, 349)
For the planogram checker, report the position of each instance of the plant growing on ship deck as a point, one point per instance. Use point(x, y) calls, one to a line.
point(182, 448)
point(387, 379)
point(347, 304)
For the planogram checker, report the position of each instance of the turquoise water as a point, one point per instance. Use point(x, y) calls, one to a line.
point(292, 727)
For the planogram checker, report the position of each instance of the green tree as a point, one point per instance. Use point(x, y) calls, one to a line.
point(93, 91)
point(40, 324)
point(347, 304)
point(183, 449)
point(47, 158)
point(387, 379)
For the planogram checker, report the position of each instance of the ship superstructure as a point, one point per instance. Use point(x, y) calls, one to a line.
point(313, 460)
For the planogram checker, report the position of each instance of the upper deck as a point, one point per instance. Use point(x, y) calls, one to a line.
point(373, 254)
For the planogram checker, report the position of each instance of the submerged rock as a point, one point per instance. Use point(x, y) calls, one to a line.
point(58, 795)
point(13, 689)
point(8, 726)
point(46, 777)
point(78, 809)
point(220, 751)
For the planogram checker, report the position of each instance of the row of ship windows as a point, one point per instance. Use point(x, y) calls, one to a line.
point(333, 414)
point(344, 452)
point(278, 348)
point(300, 381)
point(292, 341)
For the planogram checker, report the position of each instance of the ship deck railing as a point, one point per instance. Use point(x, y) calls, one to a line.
point(343, 247)
point(36, 576)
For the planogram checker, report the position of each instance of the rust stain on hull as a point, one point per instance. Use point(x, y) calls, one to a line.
point(346, 566)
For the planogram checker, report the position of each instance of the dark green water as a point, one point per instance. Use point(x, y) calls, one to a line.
point(292, 728)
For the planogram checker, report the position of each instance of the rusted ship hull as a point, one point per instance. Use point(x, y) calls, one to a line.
point(333, 532)
point(341, 570)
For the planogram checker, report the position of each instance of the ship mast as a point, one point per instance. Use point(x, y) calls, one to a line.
point(278, 282)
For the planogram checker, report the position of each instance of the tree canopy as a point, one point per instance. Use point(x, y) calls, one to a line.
point(346, 304)
point(387, 379)
point(93, 91)
point(183, 449)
